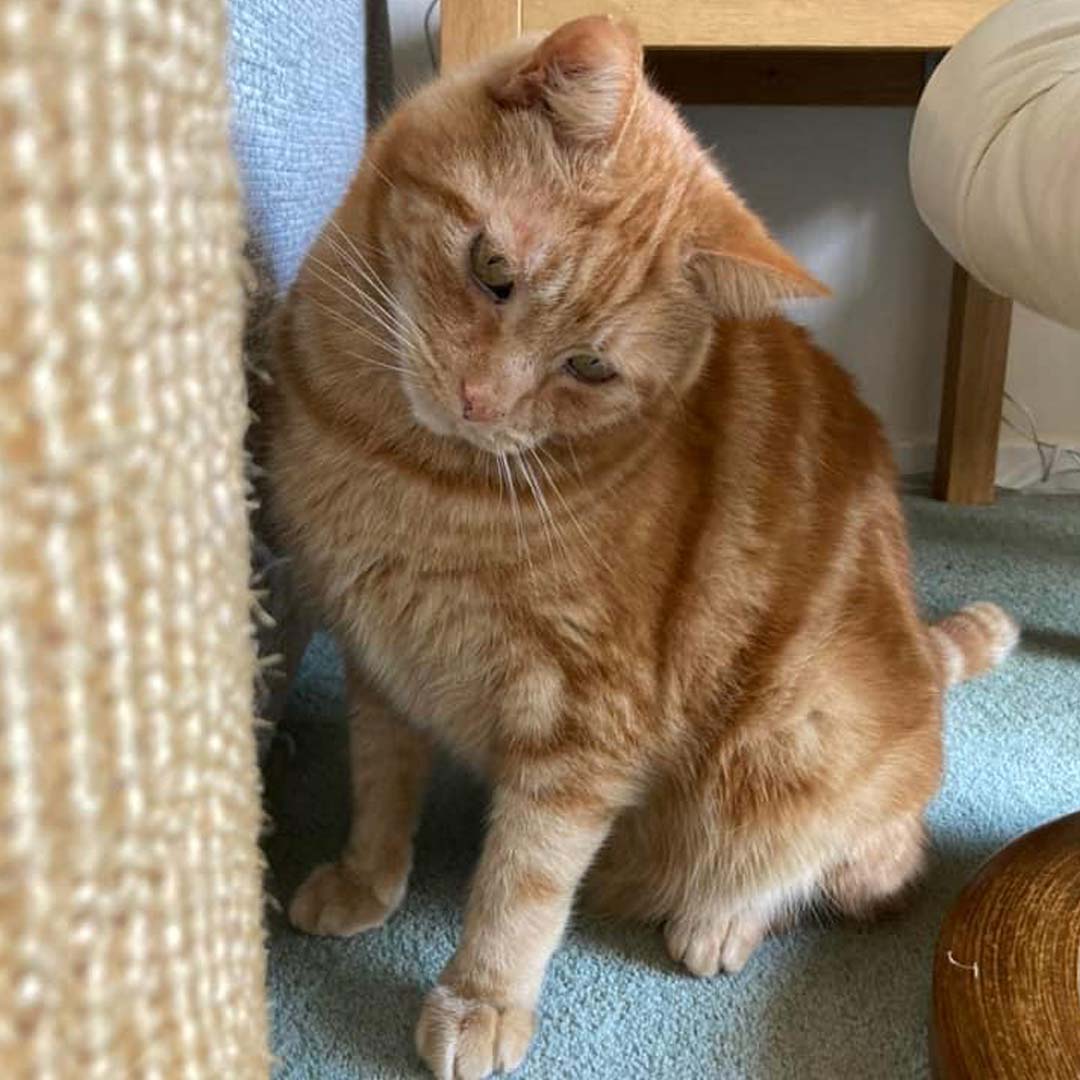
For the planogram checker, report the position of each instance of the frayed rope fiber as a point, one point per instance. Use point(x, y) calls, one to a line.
point(131, 941)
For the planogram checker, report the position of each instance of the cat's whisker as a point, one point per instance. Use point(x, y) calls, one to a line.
point(553, 461)
point(420, 352)
point(350, 324)
point(359, 262)
point(540, 500)
point(574, 458)
point(493, 519)
point(555, 529)
point(391, 308)
point(389, 315)
point(381, 173)
point(357, 300)
point(502, 486)
point(375, 363)
point(348, 260)
point(344, 320)
point(355, 261)
point(488, 465)
point(364, 303)
point(396, 345)
point(519, 523)
point(518, 460)
point(568, 509)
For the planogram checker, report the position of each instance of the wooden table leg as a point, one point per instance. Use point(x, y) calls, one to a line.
point(979, 323)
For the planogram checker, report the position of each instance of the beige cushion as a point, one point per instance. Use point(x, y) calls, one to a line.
point(995, 154)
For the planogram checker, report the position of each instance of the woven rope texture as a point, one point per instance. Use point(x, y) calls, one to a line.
point(130, 912)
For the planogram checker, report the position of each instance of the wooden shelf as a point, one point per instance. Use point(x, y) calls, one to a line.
point(775, 24)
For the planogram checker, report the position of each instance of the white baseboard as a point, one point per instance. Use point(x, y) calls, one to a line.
point(1018, 463)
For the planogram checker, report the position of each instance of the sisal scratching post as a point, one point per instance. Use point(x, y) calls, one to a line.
point(130, 910)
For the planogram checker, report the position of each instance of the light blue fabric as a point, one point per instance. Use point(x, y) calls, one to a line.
point(298, 72)
point(823, 1003)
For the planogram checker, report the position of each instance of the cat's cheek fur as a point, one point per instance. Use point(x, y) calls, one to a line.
point(579, 410)
point(425, 411)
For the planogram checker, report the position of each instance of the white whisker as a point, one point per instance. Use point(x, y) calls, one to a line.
point(499, 473)
point(353, 325)
point(409, 332)
point(539, 500)
point(379, 171)
point(375, 363)
point(540, 448)
point(396, 332)
point(574, 520)
point(345, 258)
point(556, 528)
point(519, 523)
point(573, 457)
point(383, 299)
point(359, 299)
point(363, 267)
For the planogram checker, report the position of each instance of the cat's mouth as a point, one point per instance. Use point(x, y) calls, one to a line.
point(433, 417)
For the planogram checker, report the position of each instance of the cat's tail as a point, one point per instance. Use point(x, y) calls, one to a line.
point(972, 641)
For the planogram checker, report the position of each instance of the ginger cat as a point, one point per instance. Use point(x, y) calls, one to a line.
point(577, 504)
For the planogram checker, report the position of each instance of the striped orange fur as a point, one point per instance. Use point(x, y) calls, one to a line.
point(579, 505)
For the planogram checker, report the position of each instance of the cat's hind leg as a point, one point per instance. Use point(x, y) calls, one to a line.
point(707, 942)
point(872, 878)
point(879, 870)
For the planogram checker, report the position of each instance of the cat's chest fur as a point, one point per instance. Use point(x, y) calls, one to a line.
point(422, 594)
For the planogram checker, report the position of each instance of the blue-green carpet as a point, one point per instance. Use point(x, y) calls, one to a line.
point(823, 1003)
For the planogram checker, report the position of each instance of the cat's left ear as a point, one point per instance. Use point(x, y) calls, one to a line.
point(742, 270)
point(584, 75)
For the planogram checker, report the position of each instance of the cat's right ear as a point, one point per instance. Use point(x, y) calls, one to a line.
point(741, 269)
point(585, 76)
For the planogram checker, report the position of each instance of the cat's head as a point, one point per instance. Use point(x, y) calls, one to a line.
point(553, 243)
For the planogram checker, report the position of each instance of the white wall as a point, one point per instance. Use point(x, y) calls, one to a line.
point(832, 184)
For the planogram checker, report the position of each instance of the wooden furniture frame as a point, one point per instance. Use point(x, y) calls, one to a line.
point(804, 52)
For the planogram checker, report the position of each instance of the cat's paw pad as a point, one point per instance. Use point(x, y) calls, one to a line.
point(463, 1039)
point(706, 946)
point(335, 902)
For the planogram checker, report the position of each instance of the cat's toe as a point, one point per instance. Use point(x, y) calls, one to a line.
point(336, 903)
point(463, 1039)
point(706, 947)
point(744, 934)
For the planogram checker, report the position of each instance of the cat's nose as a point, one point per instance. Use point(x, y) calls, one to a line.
point(478, 402)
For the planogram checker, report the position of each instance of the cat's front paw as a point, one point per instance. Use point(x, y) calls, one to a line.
point(463, 1039)
point(338, 902)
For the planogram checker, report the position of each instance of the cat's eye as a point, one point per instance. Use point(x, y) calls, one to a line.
point(491, 268)
point(589, 368)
